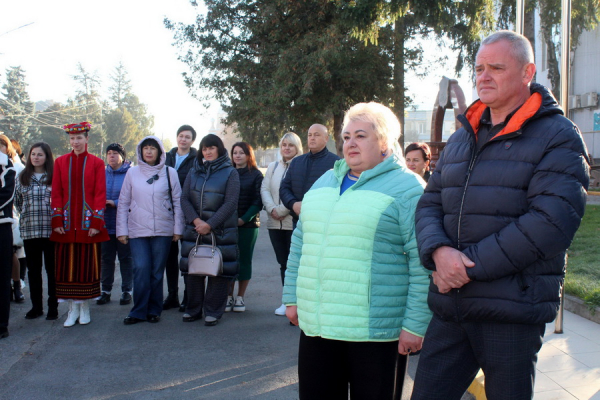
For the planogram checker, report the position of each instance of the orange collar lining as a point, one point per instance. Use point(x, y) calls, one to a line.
point(527, 110)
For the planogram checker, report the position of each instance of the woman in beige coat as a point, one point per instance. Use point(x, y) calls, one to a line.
point(279, 223)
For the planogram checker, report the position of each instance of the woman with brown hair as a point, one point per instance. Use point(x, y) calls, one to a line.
point(418, 157)
point(249, 206)
point(32, 200)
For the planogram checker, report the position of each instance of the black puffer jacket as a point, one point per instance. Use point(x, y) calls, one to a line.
point(186, 164)
point(8, 179)
point(250, 182)
point(302, 173)
point(205, 196)
point(512, 208)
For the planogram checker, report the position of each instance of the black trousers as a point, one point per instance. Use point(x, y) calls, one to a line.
point(35, 249)
point(326, 368)
point(172, 270)
point(281, 241)
point(6, 258)
point(453, 353)
point(208, 294)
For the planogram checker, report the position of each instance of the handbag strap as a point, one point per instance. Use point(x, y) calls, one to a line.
point(170, 190)
point(213, 239)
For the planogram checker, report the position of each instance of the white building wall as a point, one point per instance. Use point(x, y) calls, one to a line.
point(585, 78)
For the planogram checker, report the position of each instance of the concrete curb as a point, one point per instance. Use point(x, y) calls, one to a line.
point(578, 306)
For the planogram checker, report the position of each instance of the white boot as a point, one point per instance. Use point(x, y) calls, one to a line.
point(73, 314)
point(84, 315)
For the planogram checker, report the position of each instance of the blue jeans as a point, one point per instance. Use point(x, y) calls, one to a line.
point(149, 259)
point(110, 250)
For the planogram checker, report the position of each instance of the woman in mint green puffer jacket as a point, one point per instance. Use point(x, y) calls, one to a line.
point(354, 282)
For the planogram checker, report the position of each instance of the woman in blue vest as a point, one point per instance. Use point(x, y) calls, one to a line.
point(209, 202)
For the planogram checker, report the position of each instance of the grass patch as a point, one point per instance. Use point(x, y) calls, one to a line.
point(583, 269)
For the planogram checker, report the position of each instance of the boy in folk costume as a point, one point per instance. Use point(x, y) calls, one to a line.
point(78, 201)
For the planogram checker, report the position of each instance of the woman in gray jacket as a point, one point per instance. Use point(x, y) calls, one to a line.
point(149, 217)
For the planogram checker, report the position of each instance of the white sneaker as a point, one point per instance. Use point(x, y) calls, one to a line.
point(229, 305)
point(239, 305)
point(23, 285)
point(281, 310)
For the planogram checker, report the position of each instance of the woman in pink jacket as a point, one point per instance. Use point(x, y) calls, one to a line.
point(149, 217)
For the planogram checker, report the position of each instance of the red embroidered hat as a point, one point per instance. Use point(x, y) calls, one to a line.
point(77, 128)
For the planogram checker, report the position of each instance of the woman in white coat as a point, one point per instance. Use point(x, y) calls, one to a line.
point(280, 223)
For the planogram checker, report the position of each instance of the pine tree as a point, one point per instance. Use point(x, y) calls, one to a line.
point(16, 108)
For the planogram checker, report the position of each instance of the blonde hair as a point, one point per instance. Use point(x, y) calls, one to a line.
point(384, 121)
point(293, 139)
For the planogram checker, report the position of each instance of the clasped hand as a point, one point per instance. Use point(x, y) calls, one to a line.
point(201, 227)
point(276, 216)
point(450, 265)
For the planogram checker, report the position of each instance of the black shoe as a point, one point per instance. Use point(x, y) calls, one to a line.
point(52, 313)
point(17, 293)
point(153, 318)
point(105, 298)
point(182, 308)
point(170, 302)
point(125, 299)
point(3, 333)
point(33, 314)
point(132, 320)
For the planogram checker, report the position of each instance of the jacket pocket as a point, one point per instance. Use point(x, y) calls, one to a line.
point(522, 282)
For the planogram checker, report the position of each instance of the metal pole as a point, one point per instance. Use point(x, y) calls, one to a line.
point(558, 322)
point(565, 50)
point(520, 20)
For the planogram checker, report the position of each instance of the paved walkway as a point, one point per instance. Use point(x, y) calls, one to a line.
point(569, 363)
point(248, 355)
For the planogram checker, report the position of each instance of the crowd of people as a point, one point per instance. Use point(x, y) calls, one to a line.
point(379, 255)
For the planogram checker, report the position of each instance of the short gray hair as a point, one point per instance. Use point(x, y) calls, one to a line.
point(384, 121)
point(293, 139)
point(520, 45)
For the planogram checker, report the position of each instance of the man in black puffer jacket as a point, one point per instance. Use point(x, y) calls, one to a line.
point(497, 216)
point(181, 158)
point(306, 169)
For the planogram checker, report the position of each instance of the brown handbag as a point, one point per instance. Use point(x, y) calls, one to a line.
point(205, 260)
